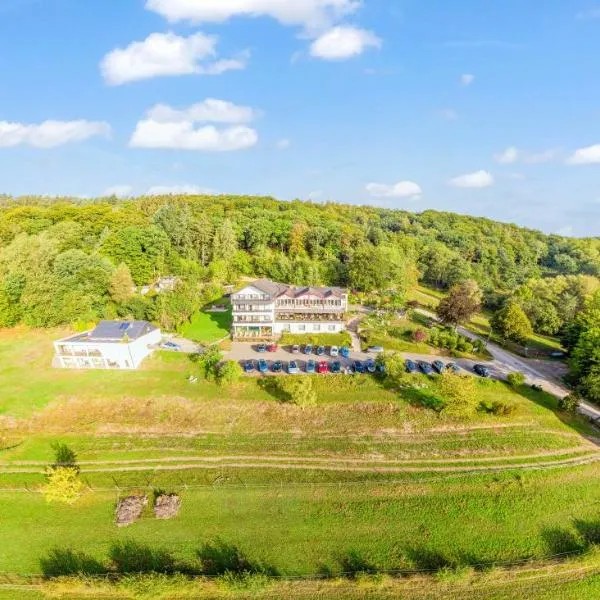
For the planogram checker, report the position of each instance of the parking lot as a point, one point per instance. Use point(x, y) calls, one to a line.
point(243, 352)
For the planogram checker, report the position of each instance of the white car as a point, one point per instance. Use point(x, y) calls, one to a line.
point(335, 351)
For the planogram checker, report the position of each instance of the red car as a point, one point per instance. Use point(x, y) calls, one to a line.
point(272, 348)
point(323, 367)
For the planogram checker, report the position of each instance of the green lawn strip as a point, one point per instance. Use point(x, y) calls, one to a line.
point(207, 327)
point(298, 529)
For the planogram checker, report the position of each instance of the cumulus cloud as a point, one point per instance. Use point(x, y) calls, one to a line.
point(343, 41)
point(50, 134)
point(180, 190)
point(402, 189)
point(585, 156)
point(479, 179)
point(162, 54)
point(210, 110)
point(513, 155)
point(467, 79)
point(165, 127)
point(118, 190)
point(309, 14)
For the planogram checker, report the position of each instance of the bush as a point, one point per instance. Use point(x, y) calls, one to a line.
point(498, 408)
point(569, 404)
point(229, 372)
point(516, 380)
point(63, 485)
point(419, 336)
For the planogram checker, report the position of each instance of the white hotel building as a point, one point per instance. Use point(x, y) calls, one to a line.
point(265, 309)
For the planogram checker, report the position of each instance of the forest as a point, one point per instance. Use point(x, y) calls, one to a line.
point(73, 261)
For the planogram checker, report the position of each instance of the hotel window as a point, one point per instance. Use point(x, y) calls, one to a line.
point(316, 328)
point(332, 328)
point(301, 327)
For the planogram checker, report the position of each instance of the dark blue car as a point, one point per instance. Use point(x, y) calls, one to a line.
point(425, 367)
point(261, 348)
point(249, 366)
point(411, 367)
point(277, 366)
point(336, 367)
point(345, 352)
point(359, 367)
point(321, 351)
point(263, 366)
point(311, 366)
point(308, 349)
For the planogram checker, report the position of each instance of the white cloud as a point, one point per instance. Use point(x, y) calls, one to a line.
point(585, 156)
point(479, 179)
point(309, 14)
point(210, 110)
point(566, 231)
point(467, 79)
point(448, 114)
point(343, 42)
point(165, 127)
point(50, 134)
point(513, 155)
point(283, 144)
point(402, 189)
point(118, 190)
point(162, 54)
point(180, 190)
point(316, 195)
point(508, 157)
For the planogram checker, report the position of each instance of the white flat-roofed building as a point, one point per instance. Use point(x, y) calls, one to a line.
point(111, 345)
point(266, 309)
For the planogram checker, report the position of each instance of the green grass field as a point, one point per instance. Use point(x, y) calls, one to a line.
point(368, 478)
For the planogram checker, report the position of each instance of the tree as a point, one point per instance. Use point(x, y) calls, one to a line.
point(229, 372)
point(63, 485)
point(209, 360)
point(515, 380)
point(225, 243)
point(511, 323)
point(569, 404)
point(121, 286)
point(300, 391)
point(459, 393)
point(461, 304)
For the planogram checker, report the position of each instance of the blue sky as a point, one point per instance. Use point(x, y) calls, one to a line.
point(488, 108)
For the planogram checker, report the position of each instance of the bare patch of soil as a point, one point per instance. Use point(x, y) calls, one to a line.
point(130, 509)
point(166, 506)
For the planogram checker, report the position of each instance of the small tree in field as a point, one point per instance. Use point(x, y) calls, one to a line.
point(459, 393)
point(301, 391)
point(569, 404)
point(229, 373)
point(419, 336)
point(511, 323)
point(63, 485)
point(515, 380)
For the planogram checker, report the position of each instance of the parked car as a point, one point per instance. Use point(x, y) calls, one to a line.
point(336, 367)
point(321, 351)
point(334, 351)
point(308, 349)
point(171, 346)
point(375, 349)
point(370, 366)
point(453, 368)
point(425, 367)
point(295, 349)
point(359, 367)
point(272, 347)
point(380, 368)
point(345, 352)
point(249, 366)
point(411, 367)
point(481, 370)
point(311, 366)
point(293, 368)
point(263, 366)
point(438, 366)
point(261, 348)
point(277, 366)
point(323, 367)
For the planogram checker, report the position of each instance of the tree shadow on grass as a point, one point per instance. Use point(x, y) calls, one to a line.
point(426, 559)
point(133, 557)
point(352, 564)
point(588, 530)
point(562, 541)
point(60, 562)
point(273, 387)
point(219, 558)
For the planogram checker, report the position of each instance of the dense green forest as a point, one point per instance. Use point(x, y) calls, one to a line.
point(64, 261)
